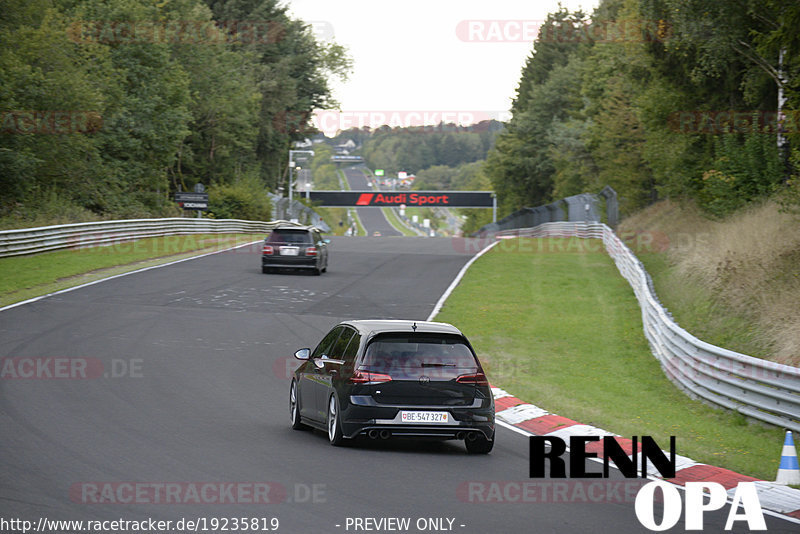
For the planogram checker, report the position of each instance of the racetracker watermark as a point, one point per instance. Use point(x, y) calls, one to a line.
point(50, 122)
point(259, 493)
point(698, 370)
point(194, 32)
point(639, 241)
point(122, 243)
point(322, 30)
point(734, 122)
point(330, 122)
point(549, 492)
point(55, 368)
point(521, 244)
point(527, 31)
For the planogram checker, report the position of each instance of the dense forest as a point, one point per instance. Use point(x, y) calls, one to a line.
point(414, 148)
point(110, 106)
point(443, 157)
point(657, 98)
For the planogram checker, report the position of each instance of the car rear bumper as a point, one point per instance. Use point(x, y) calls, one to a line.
point(361, 420)
point(431, 432)
point(294, 262)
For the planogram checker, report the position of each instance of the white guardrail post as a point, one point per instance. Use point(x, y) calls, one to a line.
point(756, 388)
point(80, 235)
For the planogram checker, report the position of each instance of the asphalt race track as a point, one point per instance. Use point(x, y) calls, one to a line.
point(197, 356)
point(372, 218)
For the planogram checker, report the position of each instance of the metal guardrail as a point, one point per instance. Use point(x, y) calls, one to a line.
point(283, 208)
point(756, 388)
point(46, 238)
point(585, 207)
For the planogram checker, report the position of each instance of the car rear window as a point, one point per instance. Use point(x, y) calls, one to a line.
point(418, 352)
point(290, 237)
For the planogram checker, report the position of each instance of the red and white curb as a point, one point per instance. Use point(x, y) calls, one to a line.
point(534, 420)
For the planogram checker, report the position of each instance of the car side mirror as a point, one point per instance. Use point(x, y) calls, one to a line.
point(302, 354)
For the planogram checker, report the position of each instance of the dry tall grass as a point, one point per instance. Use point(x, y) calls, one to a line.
point(749, 264)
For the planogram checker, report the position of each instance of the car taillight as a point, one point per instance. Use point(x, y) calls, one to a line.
point(267, 249)
point(478, 379)
point(365, 377)
point(311, 251)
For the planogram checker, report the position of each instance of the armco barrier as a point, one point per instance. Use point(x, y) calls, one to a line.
point(757, 388)
point(45, 238)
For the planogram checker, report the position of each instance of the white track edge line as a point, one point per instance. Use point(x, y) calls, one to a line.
point(68, 289)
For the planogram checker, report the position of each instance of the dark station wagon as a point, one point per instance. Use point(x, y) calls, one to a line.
point(295, 247)
point(383, 379)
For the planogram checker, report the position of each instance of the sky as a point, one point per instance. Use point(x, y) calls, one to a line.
point(422, 61)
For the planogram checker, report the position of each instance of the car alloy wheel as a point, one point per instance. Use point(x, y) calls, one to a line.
point(334, 426)
point(294, 408)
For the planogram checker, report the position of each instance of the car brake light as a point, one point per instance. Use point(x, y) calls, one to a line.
point(311, 251)
point(267, 249)
point(365, 377)
point(478, 379)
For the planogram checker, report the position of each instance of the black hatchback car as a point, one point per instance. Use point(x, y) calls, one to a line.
point(295, 247)
point(385, 379)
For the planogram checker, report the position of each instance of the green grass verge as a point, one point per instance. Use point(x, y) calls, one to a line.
point(397, 224)
point(360, 230)
point(343, 180)
point(557, 326)
point(24, 277)
point(698, 309)
point(337, 218)
point(424, 213)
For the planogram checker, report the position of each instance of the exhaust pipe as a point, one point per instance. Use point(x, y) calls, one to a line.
point(472, 436)
point(385, 434)
point(373, 434)
point(460, 435)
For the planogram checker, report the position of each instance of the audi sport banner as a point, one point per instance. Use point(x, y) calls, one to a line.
point(450, 199)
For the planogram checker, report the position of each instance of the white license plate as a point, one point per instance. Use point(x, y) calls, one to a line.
point(289, 251)
point(424, 417)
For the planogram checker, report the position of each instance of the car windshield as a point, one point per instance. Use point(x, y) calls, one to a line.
point(290, 237)
point(420, 353)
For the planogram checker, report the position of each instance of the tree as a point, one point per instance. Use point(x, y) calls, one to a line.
point(520, 166)
point(292, 73)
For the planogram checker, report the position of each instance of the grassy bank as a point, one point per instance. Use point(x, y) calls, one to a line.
point(24, 277)
point(397, 224)
point(732, 282)
point(558, 327)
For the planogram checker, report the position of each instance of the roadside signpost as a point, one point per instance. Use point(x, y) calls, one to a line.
point(192, 201)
